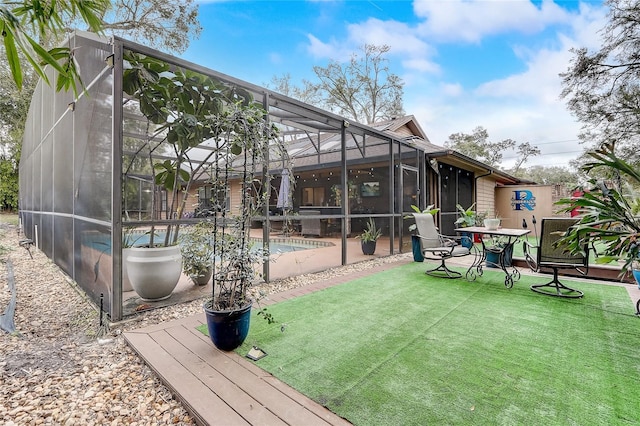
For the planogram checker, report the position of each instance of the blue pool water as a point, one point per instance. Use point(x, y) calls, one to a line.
point(286, 245)
point(102, 243)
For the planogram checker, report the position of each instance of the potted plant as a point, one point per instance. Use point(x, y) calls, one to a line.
point(480, 217)
point(607, 210)
point(467, 218)
point(635, 271)
point(179, 107)
point(185, 109)
point(495, 246)
point(413, 228)
point(196, 246)
point(369, 237)
point(241, 151)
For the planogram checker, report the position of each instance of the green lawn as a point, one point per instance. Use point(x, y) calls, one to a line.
point(401, 347)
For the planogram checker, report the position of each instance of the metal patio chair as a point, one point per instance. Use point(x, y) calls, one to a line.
point(548, 255)
point(435, 246)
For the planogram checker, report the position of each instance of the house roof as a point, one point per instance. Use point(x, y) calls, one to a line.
point(460, 160)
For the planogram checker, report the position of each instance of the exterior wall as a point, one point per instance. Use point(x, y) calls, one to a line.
point(404, 131)
point(235, 191)
point(485, 195)
point(535, 200)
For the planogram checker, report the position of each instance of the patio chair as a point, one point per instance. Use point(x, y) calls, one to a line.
point(311, 226)
point(548, 255)
point(435, 246)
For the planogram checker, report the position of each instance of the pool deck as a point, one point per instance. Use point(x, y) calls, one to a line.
point(328, 255)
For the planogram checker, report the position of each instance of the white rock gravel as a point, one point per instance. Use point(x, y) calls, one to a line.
point(61, 368)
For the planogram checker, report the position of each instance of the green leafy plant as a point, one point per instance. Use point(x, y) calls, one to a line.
point(196, 246)
point(20, 20)
point(480, 217)
point(185, 109)
point(371, 232)
point(431, 209)
point(606, 210)
point(467, 217)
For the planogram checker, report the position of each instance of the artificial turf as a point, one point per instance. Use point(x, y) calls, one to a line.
point(400, 347)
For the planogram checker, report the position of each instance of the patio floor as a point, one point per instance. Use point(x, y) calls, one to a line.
point(223, 387)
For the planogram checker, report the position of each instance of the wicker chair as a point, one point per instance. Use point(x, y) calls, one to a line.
point(435, 246)
point(547, 255)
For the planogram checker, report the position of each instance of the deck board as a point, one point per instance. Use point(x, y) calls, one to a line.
point(205, 406)
point(219, 387)
point(204, 369)
point(260, 390)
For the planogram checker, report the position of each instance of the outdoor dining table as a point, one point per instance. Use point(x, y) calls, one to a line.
point(508, 237)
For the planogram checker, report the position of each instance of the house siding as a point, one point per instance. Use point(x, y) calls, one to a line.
point(485, 195)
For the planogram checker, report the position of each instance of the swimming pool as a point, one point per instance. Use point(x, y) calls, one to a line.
point(277, 245)
point(287, 245)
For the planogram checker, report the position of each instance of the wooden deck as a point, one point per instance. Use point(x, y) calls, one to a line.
point(224, 388)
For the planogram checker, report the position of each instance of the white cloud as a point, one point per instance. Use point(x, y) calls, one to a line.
point(400, 36)
point(540, 82)
point(471, 20)
point(422, 65)
point(453, 90)
point(331, 50)
point(275, 58)
point(414, 53)
point(525, 106)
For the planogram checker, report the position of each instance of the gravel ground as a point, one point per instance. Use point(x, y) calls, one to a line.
point(61, 367)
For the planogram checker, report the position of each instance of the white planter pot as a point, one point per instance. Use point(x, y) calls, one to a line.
point(126, 284)
point(492, 224)
point(154, 272)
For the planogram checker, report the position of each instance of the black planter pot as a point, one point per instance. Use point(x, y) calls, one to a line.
point(368, 247)
point(494, 258)
point(466, 239)
point(227, 329)
point(417, 250)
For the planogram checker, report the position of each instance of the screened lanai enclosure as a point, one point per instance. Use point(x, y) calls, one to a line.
point(100, 171)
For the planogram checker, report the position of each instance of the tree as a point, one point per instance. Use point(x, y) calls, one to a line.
point(549, 175)
point(146, 21)
point(602, 88)
point(21, 21)
point(14, 106)
point(478, 147)
point(524, 151)
point(306, 93)
point(158, 23)
point(8, 184)
point(362, 89)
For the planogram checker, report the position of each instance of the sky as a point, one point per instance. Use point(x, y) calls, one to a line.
point(464, 63)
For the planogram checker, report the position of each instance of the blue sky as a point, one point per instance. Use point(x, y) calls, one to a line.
point(490, 63)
